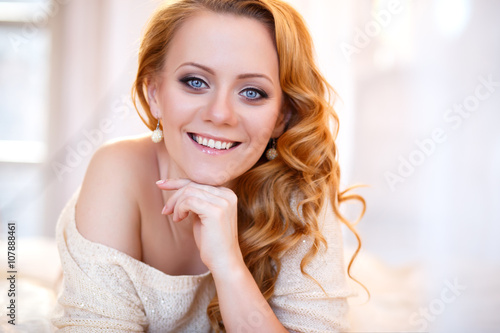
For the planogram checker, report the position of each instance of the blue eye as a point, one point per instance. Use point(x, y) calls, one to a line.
point(253, 94)
point(194, 82)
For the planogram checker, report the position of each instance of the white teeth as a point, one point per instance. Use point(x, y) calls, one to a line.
point(212, 143)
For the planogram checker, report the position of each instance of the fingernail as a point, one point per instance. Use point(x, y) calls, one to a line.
point(164, 210)
point(161, 181)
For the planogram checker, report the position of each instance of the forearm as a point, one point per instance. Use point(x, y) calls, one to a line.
point(242, 305)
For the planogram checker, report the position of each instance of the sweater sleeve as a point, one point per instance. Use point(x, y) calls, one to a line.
point(299, 302)
point(97, 293)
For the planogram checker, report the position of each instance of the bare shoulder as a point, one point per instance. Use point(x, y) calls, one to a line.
point(107, 209)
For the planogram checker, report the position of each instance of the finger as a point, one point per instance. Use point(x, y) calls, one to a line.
point(207, 203)
point(172, 184)
point(176, 184)
point(197, 205)
point(189, 191)
point(207, 192)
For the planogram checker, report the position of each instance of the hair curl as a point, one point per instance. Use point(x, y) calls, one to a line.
point(306, 166)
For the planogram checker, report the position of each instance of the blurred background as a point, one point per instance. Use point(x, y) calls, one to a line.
point(419, 106)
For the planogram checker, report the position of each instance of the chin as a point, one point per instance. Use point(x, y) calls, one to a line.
point(207, 176)
point(212, 179)
point(219, 174)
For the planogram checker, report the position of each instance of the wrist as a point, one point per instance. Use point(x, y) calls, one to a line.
point(230, 270)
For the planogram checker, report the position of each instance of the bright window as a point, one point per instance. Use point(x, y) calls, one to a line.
point(25, 45)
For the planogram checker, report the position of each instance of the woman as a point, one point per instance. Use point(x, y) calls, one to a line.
point(227, 239)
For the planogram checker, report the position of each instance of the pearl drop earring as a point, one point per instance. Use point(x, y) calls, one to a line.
point(157, 134)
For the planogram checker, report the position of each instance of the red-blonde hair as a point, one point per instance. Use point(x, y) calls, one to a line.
point(306, 166)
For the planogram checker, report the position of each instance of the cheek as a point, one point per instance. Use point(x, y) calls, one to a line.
point(262, 127)
point(174, 108)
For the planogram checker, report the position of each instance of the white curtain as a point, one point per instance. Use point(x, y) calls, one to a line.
point(94, 62)
point(427, 98)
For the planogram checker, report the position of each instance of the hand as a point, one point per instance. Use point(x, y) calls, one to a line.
point(215, 221)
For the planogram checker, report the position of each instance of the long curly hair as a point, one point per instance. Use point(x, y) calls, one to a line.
point(306, 171)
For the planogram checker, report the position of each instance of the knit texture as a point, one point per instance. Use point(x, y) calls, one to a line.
point(105, 290)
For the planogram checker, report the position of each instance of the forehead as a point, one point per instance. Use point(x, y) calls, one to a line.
point(224, 40)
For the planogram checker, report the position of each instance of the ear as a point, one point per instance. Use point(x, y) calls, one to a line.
point(281, 122)
point(153, 100)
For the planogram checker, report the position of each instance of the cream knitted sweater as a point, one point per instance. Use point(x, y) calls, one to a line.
point(105, 290)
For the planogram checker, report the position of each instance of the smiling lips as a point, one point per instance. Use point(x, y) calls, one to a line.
point(211, 143)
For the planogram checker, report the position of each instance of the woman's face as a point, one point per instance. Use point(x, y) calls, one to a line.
point(219, 97)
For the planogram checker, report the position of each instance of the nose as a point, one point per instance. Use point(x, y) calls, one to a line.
point(220, 110)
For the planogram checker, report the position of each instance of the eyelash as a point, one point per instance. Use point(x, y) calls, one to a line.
point(188, 82)
point(188, 79)
point(262, 94)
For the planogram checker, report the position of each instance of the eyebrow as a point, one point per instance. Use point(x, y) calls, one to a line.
point(205, 68)
point(251, 75)
point(210, 71)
